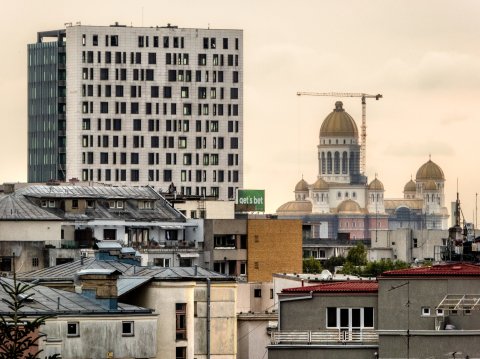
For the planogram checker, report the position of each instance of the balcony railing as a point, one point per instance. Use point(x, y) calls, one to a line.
point(325, 337)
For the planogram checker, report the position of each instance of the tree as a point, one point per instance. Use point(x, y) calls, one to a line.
point(19, 333)
point(311, 265)
point(333, 262)
point(357, 255)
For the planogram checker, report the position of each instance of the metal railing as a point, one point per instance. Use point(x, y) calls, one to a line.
point(324, 336)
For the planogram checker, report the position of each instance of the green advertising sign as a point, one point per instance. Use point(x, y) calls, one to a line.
point(251, 200)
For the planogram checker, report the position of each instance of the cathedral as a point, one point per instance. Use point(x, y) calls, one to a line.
point(342, 204)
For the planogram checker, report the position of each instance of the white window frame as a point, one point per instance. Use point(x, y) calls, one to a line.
point(130, 333)
point(350, 326)
point(77, 329)
point(439, 312)
point(51, 203)
point(119, 204)
point(426, 312)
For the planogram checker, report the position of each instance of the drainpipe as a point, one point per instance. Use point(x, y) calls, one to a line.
point(208, 318)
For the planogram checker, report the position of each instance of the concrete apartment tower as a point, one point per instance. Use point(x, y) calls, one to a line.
point(137, 106)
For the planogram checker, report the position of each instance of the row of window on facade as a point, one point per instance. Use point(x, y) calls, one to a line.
point(90, 204)
point(154, 176)
point(170, 58)
point(198, 142)
point(336, 162)
point(187, 108)
point(136, 92)
point(74, 329)
point(155, 41)
point(153, 125)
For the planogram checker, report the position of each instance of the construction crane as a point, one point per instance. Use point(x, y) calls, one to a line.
point(363, 96)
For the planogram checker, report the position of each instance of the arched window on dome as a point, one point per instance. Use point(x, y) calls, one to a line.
point(322, 197)
point(378, 197)
point(346, 194)
point(344, 162)
point(336, 141)
point(329, 162)
point(373, 198)
point(354, 194)
point(324, 165)
point(337, 162)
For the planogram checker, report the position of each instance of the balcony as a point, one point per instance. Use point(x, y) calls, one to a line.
point(335, 336)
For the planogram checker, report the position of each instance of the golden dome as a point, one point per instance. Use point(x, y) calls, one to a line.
point(349, 206)
point(297, 207)
point(320, 185)
point(430, 186)
point(339, 124)
point(376, 185)
point(410, 187)
point(430, 171)
point(302, 185)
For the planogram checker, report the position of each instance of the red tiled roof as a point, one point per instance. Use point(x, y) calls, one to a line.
point(440, 270)
point(356, 286)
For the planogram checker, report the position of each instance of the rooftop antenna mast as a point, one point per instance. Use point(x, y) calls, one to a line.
point(363, 96)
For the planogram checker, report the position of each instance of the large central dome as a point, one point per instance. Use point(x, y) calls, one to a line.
point(339, 124)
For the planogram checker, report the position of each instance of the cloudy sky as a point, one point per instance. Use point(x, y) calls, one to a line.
point(423, 56)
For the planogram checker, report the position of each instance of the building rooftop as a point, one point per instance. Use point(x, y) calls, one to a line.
point(358, 286)
point(440, 270)
point(68, 271)
point(47, 300)
point(24, 204)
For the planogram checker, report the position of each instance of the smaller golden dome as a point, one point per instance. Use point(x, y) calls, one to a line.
point(297, 207)
point(430, 186)
point(320, 185)
point(430, 171)
point(349, 206)
point(301, 186)
point(410, 187)
point(375, 185)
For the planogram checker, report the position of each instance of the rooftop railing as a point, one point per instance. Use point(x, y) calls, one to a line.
point(335, 336)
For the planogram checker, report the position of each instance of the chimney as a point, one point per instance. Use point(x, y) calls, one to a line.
point(99, 285)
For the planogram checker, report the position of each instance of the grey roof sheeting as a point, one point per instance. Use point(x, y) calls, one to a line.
point(93, 192)
point(127, 284)
point(21, 204)
point(67, 271)
point(54, 301)
point(14, 207)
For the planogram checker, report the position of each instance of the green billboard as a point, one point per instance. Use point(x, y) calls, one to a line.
point(251, 200)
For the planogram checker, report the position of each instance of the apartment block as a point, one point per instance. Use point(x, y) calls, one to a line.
point(161, 106)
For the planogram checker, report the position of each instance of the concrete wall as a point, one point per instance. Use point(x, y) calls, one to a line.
point(274, 246)
point(401, 243)
point(26, 254)
point(47, 231)
point(100, 335)
point(309, 352)
point(213, 209)
point(247, 302)
point(310, 314)
point(253, 338)
point(162, 297)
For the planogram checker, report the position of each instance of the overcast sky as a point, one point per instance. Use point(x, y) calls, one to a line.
point(423, 56)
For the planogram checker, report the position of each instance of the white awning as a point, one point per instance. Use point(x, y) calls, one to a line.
point(460, 302)
point(188, 255)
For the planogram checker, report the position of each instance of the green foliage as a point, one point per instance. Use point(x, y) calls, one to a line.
point(311, 265)
point(333, 262)
point(19, 334)
point(375, 268)
point(357, 255)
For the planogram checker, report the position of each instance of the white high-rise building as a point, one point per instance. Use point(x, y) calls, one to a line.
point(138, 105)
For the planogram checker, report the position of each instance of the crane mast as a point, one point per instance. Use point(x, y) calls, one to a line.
point(363, 136)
